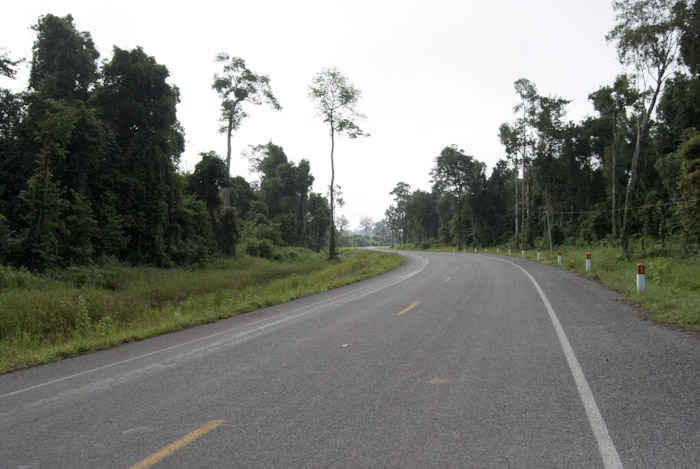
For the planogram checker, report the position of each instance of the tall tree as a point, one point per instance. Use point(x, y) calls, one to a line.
point(236, 86)
point(612, 104)
point(518, 139)
point(64, 60)
point(510, 139)
point(460, 176)
point(646, 34)
point(422, 216)
point(401, 193)
point(138, 104)
point(43, 198)
point(336, 98)
point(367, 225)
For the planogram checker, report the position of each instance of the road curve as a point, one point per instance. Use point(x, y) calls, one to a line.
point(451, 360)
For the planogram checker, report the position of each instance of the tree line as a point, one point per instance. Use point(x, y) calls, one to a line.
point(631, 171)
point(90, 154)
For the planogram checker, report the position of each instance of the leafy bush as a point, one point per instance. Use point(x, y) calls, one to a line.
point(252, 247)
point(266, 249)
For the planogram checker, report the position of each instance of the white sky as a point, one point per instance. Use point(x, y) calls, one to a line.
point(432, 73)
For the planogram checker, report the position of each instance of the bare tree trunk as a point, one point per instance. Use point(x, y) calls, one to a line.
point(616, 139)
point(331, 234)
point(549, 230)
point(522, 212)
point(228, 145)
point(227, 190)
point(642, 131)
point(634, 171)
point(516, 197)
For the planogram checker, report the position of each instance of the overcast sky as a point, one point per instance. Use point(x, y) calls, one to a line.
point(431, 73)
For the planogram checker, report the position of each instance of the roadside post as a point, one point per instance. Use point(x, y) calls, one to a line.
point(641, 278)
point(559, 257)
point(539, 255)
point(588, 261)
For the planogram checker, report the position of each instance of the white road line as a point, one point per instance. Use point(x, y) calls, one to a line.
point(272, 321)
point(611, 459)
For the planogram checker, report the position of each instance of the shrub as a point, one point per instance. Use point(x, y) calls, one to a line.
point(266, 249)
point(252, 247)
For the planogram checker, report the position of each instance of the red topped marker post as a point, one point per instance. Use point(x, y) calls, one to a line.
point(641, 278)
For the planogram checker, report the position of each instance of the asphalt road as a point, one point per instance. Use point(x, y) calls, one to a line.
point(452, 360)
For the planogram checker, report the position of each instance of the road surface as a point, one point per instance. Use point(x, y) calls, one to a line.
point(451, 360)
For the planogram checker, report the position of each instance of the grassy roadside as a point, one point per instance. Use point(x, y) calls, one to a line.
point(44, 319)
point(672, 293)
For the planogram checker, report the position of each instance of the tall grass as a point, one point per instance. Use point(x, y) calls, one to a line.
point(44, 318)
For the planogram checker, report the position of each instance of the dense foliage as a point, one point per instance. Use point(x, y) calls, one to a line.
point(90, 153)
point(631, 171)
point(89, 158)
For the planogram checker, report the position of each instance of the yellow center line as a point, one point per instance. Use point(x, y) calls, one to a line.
point(448, 279)
point(179, 444)
point(409, 308)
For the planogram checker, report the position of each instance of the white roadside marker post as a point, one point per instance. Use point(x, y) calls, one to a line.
point(588, 261)
point(641, 278)
point(539, 255)
point(509, 251)
point(559, 257)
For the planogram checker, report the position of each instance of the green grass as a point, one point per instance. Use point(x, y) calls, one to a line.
point(46, 318)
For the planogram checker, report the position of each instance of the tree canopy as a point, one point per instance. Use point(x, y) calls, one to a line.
point(90, 160)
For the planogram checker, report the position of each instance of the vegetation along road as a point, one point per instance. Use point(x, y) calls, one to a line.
point(451, 360)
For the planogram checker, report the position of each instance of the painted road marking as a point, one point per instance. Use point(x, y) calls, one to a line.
point(179, 444)
point(608, 452)
point(408, 309)
point(448, 279)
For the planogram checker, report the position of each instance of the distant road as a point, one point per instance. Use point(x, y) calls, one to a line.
point(451, 360)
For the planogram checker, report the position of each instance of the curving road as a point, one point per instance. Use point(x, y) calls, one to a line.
point(451, 360)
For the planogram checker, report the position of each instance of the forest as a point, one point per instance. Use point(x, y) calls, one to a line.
point(89, 165)
point(628, 174)
point(90, 153)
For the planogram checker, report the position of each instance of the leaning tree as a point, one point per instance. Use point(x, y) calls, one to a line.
point(646, 34)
